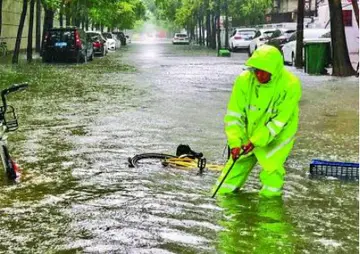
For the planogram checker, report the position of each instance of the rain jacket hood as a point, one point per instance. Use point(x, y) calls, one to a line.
point(267, 58)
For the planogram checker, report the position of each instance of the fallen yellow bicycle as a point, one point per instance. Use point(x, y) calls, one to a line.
point(185, 158)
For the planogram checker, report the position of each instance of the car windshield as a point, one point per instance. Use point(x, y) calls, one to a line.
point(180, 35)
point(107, 35)
point(289, 31)
point(268, 34)
point(93, 37)
point(61, 36)
point(93, 34)
point(246, 33)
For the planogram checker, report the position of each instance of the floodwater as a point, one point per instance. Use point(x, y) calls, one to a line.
point(80, 123)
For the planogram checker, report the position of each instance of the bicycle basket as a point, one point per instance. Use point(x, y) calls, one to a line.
point(10, 119)
point(344, 170)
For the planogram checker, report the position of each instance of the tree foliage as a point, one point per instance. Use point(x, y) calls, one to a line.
point(243, 12)
point(121, 14)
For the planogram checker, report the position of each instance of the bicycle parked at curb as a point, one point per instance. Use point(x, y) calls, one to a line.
point(3, 48)
point(8, 123)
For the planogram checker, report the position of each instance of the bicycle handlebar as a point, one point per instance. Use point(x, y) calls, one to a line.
point(11, 89)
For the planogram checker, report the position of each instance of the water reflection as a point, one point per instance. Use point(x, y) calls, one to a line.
point(254, 225)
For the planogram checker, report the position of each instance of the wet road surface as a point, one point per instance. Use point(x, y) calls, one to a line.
point(80, 123)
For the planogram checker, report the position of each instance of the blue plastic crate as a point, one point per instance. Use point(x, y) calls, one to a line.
point(344, 170)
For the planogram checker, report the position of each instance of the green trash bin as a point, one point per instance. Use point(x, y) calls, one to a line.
point(224, 52)
point(317, 54)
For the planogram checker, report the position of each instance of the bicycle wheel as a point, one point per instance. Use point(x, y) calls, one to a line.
point(9, 165)
point(134, 160)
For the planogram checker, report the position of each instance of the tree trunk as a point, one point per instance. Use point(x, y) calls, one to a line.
point(226, 25)
point(48, 22)
point(213, 44)
point(87, 22)
point(218, 10)
point(38, 26)
point(61, 16)
point(300, 35)
point(1, 3)
point(203, 29)
point(208, 26)
point(192, 31)
point(30, 33)
point(75, 14)
point(218, 32)
point(200, 30)
point(340, 54)
point(356, 10)
point(15, 58)
point(67, 15)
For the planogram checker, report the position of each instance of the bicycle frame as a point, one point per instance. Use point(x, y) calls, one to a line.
point(6, 160)
point(6, 125)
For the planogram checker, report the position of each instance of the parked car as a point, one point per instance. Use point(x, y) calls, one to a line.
point(181, 38)
point(128, 39)
point(113, 42)
point(241, 38)
point(280, 37)
point(66, 43)
point(260, 39)
point(121, 37)
point(99, 43)
point(289, 48)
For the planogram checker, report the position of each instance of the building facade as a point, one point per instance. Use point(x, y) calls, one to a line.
point(286, 10)
point(11, 12)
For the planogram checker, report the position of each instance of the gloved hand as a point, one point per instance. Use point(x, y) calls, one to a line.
point(235, 153)
point(247, 148)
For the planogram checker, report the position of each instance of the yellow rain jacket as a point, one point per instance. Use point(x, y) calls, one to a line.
point(265, 114)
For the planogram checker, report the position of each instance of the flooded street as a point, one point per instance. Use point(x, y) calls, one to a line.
point(80, 123)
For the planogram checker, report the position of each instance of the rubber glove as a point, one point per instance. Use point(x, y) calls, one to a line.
point(235, 153)
point(247, 148)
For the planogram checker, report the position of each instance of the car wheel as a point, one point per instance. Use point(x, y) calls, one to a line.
point(45, 58)
point(80, 58)
point(249, 52)
point(92, 56)
point(232, 47)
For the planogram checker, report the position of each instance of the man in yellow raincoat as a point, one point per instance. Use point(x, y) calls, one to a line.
point(261, 122)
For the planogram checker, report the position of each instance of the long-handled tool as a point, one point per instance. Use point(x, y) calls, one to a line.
point(222, 181)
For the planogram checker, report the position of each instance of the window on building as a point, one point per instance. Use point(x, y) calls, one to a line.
point(347, 17)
